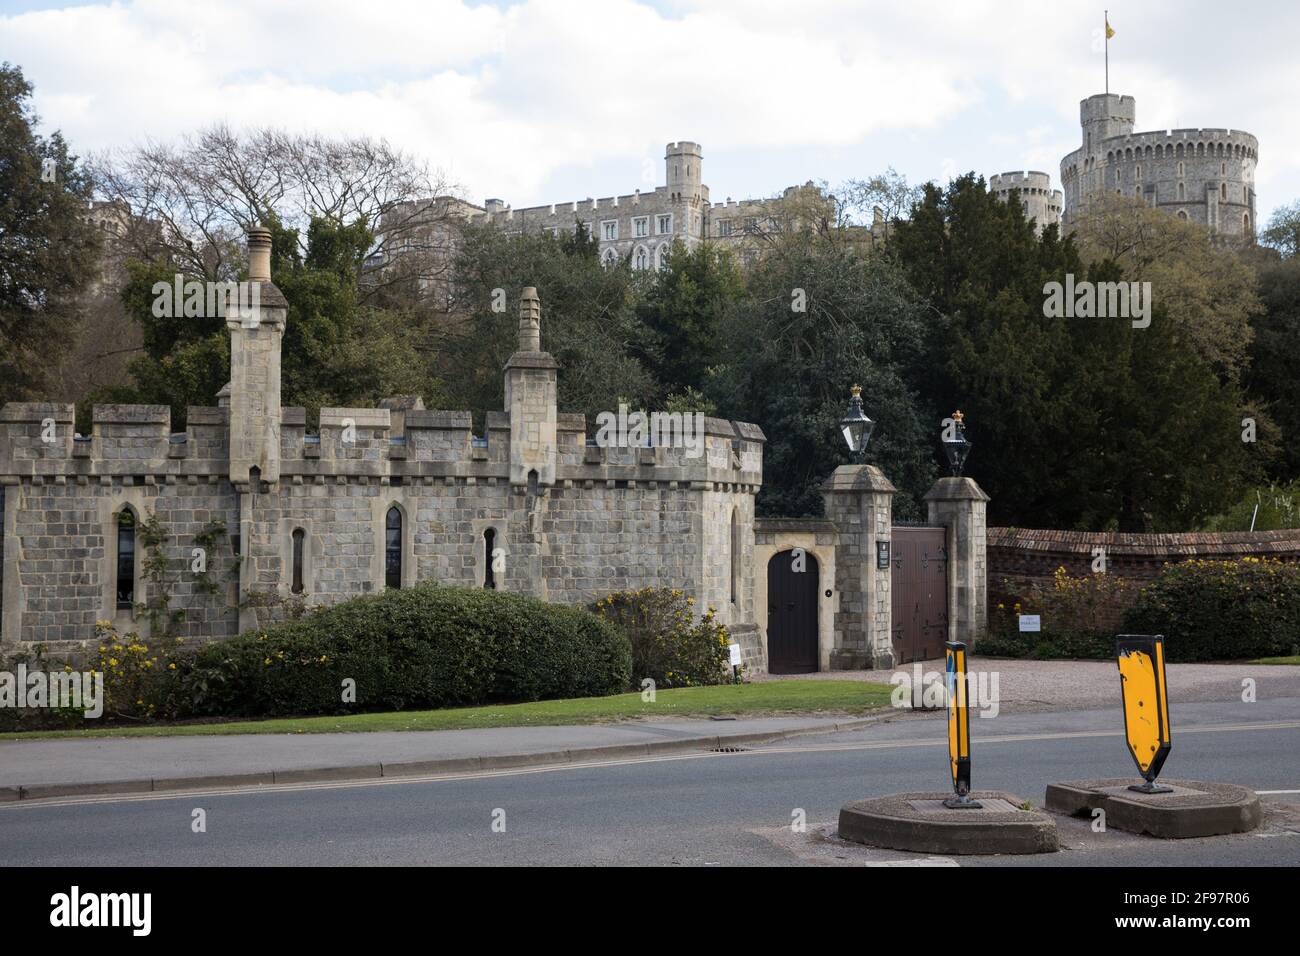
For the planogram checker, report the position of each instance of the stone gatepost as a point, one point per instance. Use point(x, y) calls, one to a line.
point(961, 506)
point(859, 499)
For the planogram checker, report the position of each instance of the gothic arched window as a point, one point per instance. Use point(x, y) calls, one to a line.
point(393, 548)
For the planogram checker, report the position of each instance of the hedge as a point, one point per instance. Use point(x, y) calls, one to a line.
point(1222, 610)
point(422, 647)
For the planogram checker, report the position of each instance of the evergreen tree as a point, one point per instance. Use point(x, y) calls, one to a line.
point(49, 251)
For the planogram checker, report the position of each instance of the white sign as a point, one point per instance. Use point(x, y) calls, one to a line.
point(1030, 622)
point(735, 654)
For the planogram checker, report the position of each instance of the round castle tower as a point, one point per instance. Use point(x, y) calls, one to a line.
point(1201, 175)
point(1037, 197)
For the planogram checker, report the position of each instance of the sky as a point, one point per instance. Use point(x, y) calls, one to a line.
point(544, 101)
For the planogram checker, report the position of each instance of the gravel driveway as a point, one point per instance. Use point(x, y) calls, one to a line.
point(1082, 685)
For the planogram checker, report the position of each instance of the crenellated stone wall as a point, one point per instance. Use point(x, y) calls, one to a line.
point(573, 521)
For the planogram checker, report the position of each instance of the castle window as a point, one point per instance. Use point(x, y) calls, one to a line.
point(126, 559)
point(664, 224)
point(489, 545)
point(393, 548)
point(641, 226)
point(1182, 214)
point(609, 258)
point(609, 230)
point(1223, 190)
point(642, 258)
point(299, 536)
point(1223, 169)
point(724, 227)
point(735, 557)
point(1182, 191)
point(1138, 172)
point(1245, 224)
point(661, 256)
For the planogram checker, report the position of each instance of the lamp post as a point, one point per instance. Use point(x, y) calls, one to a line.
point(856, 426)
point(956, 446)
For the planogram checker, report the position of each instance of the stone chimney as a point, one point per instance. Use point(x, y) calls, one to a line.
point(259, 254)
point(253, 394)
point(530, 321)
point(530, 399)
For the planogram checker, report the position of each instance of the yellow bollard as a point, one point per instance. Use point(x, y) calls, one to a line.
point(1141, 659)
point(959, 729)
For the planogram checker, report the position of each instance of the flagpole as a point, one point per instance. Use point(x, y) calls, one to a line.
point(1106, 32)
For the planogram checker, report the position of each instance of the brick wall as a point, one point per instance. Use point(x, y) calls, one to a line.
point(1024, 555)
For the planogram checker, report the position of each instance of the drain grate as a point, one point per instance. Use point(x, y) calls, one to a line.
point(728, 750)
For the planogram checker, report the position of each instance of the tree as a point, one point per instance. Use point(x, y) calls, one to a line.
point(1283, 231)
point(817, 319)
point(683, 308)
point(336, 351)
point(1207, 289)
point(199, 196)
point(1077, 423)
point(1272, 377)
point(589, 320)
point(49, 252)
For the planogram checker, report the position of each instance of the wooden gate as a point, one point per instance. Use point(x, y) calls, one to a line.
point(919, 582)
point(792, 614)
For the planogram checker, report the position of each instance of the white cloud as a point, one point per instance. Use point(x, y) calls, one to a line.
point(504, 97)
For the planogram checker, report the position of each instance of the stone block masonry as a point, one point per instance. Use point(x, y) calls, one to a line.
point(382, 497)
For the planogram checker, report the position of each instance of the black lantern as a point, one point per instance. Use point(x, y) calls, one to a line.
point(955, 444)
point(856, 426)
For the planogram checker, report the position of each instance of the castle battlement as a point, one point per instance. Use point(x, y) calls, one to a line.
point(379, 497)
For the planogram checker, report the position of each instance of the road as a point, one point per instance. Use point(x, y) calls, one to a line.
point(694, 810)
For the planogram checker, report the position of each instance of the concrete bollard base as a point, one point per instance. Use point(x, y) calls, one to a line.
point(1192, 808)
point(921, 823)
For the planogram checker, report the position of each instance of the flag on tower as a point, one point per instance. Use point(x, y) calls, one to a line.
point(1109, 32)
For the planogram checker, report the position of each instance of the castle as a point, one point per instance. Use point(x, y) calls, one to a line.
point(1205, 175)
point(639, 227)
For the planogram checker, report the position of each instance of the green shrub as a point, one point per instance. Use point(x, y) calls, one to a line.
point(1222, 610)
point(669, 645)
point(422, 647)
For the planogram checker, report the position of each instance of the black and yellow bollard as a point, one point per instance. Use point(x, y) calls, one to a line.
point(1141, 659)
point(959, 729)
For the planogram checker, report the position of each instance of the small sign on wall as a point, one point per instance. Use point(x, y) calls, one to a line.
point(735, 654)
point(1030, 622)
point(882, 555)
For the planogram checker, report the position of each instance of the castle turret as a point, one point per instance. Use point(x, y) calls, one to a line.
point(1106, 115)
point(530, 400)
point(684, 163)
point(256, 318)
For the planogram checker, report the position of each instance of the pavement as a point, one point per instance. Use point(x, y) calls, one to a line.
point(1029, 686)
point(54, 767)
point(63, 767)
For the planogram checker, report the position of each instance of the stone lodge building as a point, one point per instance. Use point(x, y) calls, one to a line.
point(250, 513)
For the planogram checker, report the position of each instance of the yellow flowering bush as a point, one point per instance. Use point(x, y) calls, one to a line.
point(670, 644)
point(138, 677)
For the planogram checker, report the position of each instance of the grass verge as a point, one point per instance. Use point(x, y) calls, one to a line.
point(741, 700)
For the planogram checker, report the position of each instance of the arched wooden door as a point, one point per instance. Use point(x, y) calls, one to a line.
point(792, 613)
